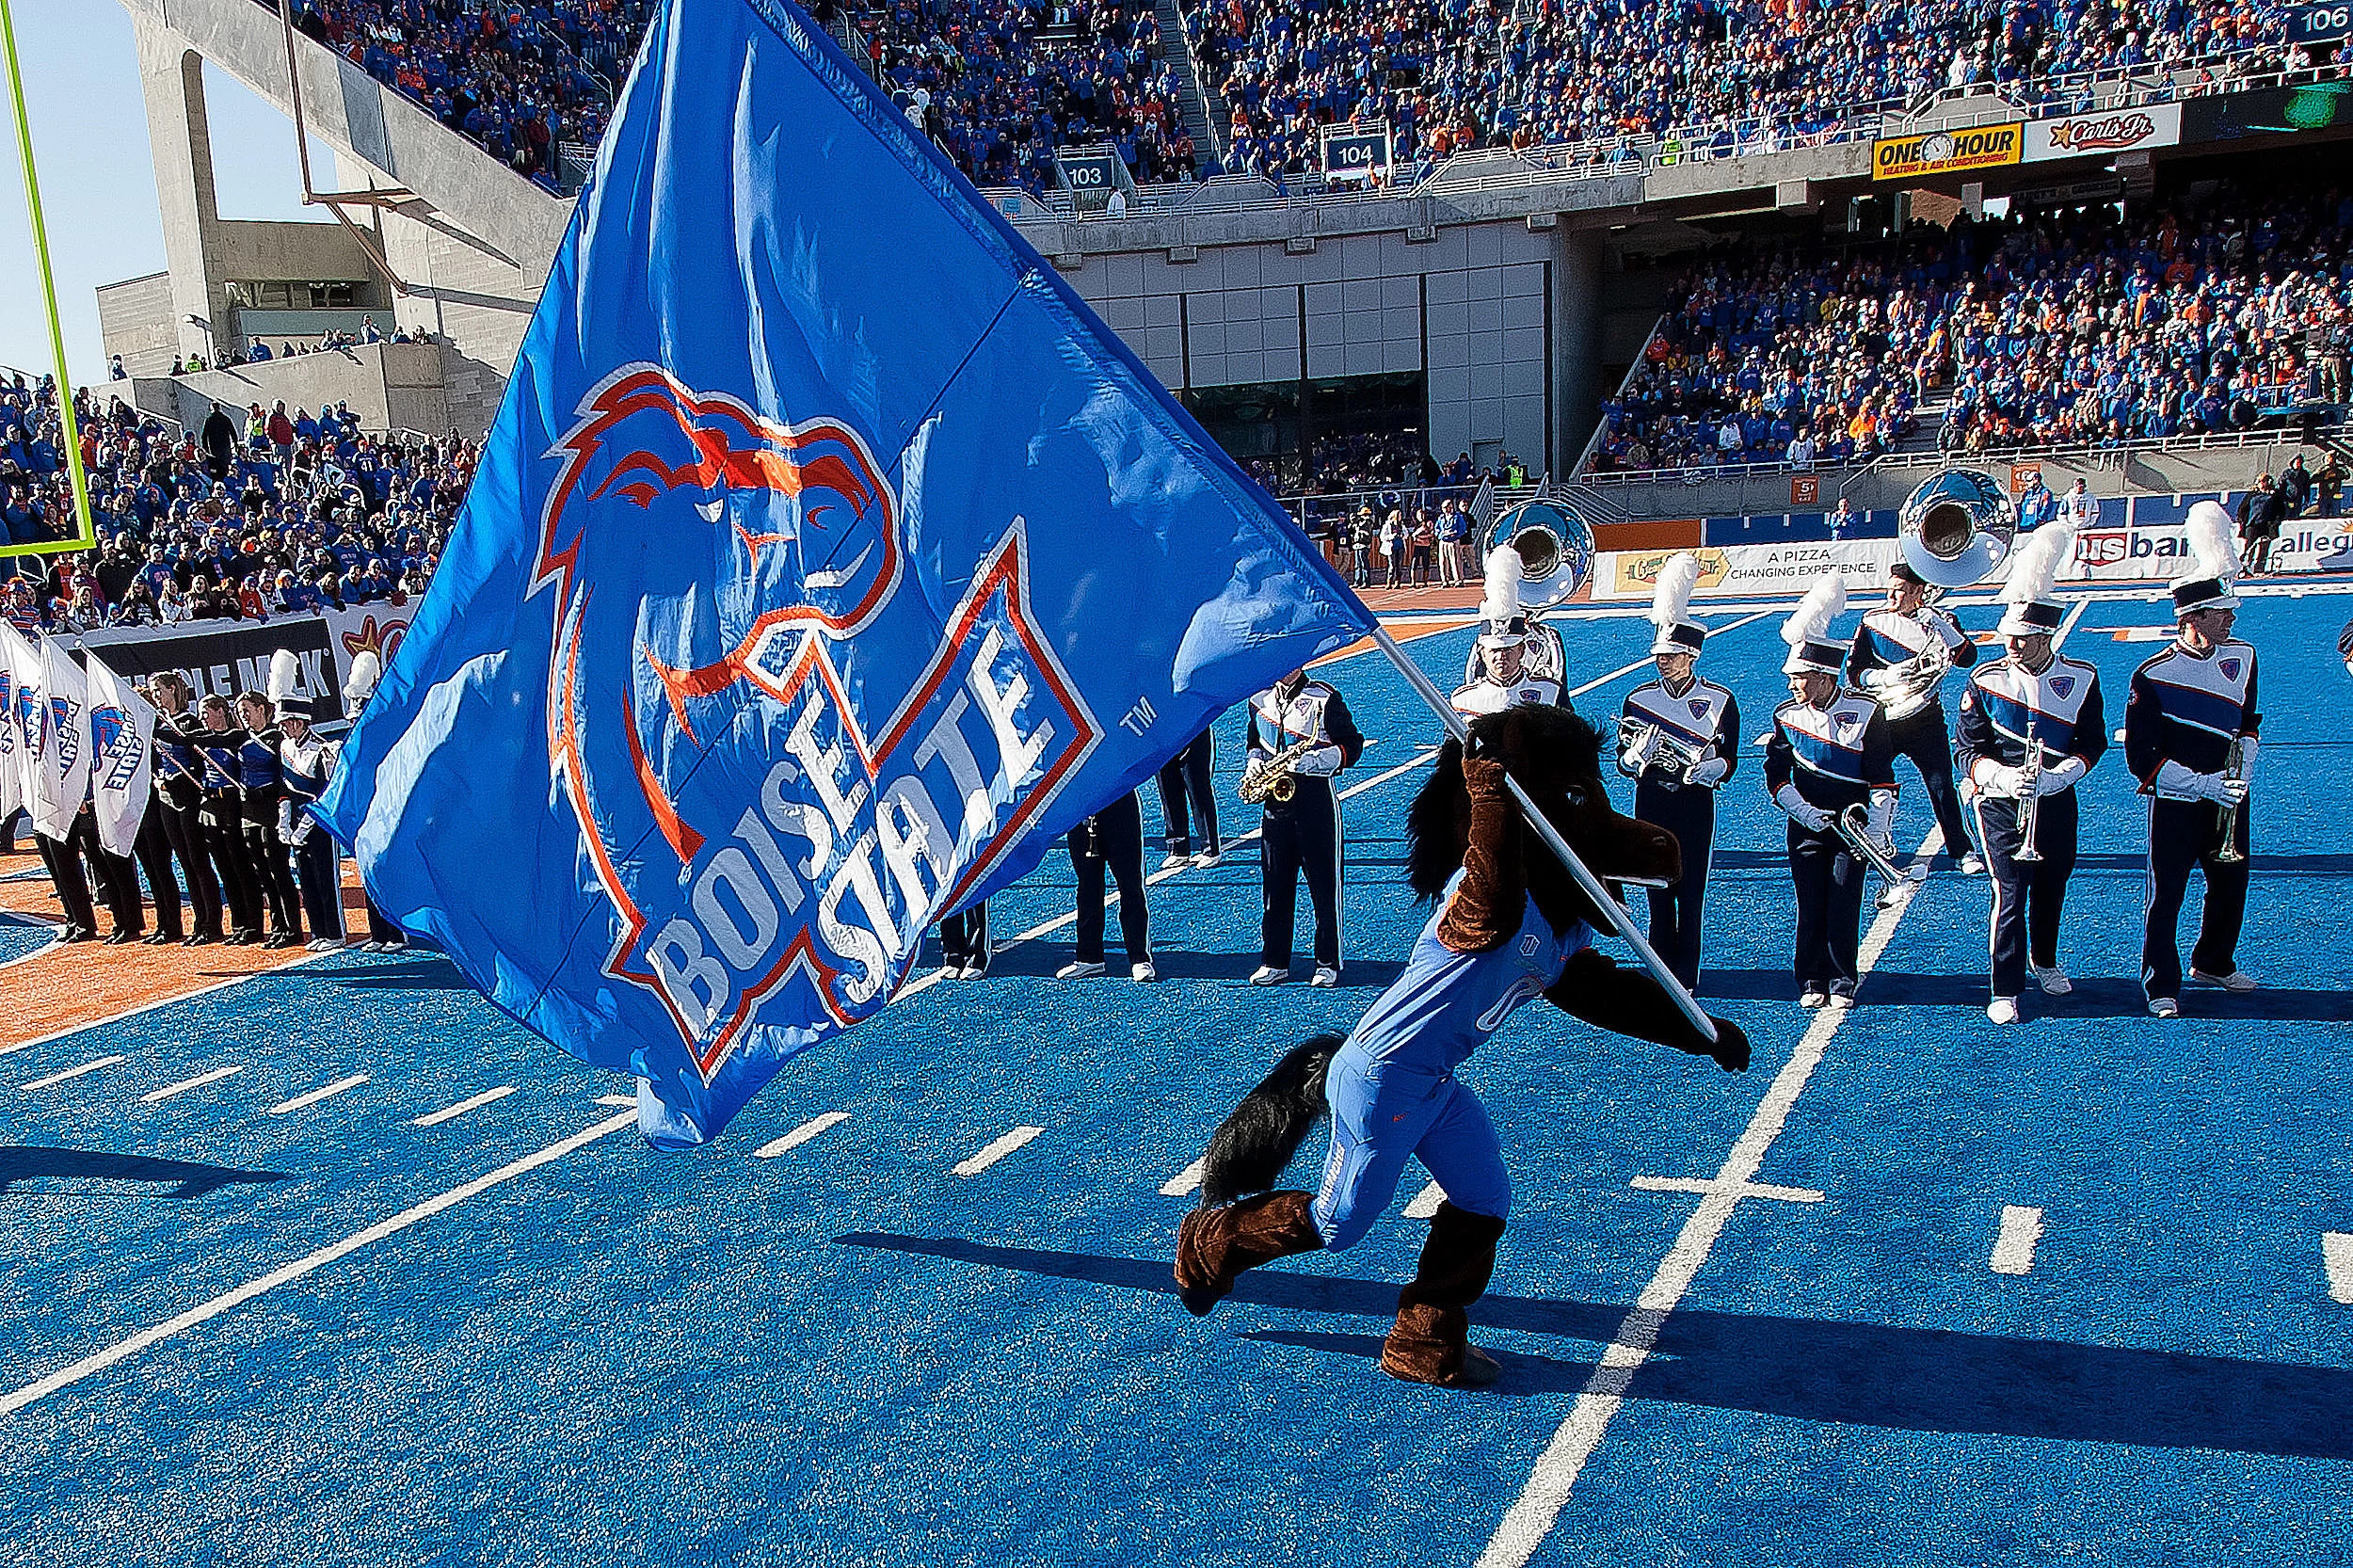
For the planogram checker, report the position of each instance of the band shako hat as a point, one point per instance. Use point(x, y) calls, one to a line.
point(1812, 650)
point(2209, 584)
point(1671, 607)
point(1506, 622)
point(2029, 596)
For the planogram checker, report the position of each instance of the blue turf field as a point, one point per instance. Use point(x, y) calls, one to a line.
point(844, 1352)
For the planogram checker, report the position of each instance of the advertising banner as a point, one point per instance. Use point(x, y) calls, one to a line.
point(1948, 151)
point(2080, 135)
point(1749, 570)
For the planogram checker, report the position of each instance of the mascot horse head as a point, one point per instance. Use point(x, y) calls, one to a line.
point(1556, 756)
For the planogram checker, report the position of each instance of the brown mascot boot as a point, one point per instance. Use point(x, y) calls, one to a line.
point(1431, 1343)
point(1215, 1246)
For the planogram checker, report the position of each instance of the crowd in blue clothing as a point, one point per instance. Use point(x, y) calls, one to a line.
point(273, 514)
point(2062, 329)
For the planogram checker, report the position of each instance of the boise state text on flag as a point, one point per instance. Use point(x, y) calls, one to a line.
point(826, 561)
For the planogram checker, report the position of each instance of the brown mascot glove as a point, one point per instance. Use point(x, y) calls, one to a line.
point(1493, 898)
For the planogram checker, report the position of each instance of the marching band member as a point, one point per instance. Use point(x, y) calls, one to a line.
point(1905, 642)
point(222, 819)
point(2190, 738)
point(263, 780)
point(1830, 750)
point(307, 761)
point(360, 684)
point(1187, 790)
point(1542, 656)
point(1300, 728)
point(1501, 656)
point(2031, 726)
point(964, 943)
point(1111, 841)
point(1700, 718)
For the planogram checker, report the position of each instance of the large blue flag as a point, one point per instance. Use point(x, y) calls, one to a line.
point(828, 560)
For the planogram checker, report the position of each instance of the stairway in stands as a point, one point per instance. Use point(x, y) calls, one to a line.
point(1193, 103)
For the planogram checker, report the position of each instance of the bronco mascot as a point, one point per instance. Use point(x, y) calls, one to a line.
point(1510, 924)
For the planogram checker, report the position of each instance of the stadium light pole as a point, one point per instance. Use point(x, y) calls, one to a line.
point(1624, 923)
point(85, 536)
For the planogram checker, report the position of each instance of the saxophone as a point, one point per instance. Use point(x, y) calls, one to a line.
point(1276, 781)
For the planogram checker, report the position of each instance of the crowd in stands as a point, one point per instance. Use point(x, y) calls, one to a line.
point(2059, 329)
point(257, 352)
point(517, 77)
point(1750, 74)
point(1000, 87)
point(275, 513)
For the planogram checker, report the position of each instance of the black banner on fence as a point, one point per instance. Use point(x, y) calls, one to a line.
point(228, 657)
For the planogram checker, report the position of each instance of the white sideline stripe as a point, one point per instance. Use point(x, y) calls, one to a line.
point(996, 1151)
point(1745, 1190)
point(65, 1376)
point(1425, 1204)
point(186, 1083)
point(1183, 1183)
point(26, 958)
point(451, 1113)
point(324, 1092)
point(800, 1134)
point(2336, 1257)
point(616, 1099)
point(71, 1073)
point(2013, 1249)
point(1531, 1517)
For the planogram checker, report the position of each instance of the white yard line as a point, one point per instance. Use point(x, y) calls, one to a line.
point(122, 1349)
point(324, 1092)
point(996, 1150)
point(1425, 1204)
point(2013, 1249)
point(617, 1099)
point(451, 1113)
point(186, 1083)
point(1184, 1183)
point(800, 1134)
point(1531, 1517)
point(2336, 1260)
point(71, 1073)
point(1747, 1190)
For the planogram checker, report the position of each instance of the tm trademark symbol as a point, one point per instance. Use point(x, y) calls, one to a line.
point(1138, 719)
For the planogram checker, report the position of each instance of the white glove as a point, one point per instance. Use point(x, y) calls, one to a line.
point(1710, 773)
point(1872, 680)
point(1879, 825)
point(2062, 775)
point(2249, 749)
point(2219, 788)
point(285, 818)
point(1811, 818)
point(1999, 779)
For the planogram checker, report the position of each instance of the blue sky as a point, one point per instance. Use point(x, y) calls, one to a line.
point(97, 182)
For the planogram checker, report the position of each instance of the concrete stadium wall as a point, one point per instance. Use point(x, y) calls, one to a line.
point(390, 386)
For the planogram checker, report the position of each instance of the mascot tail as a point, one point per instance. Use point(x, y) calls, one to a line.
point(1251, 1146)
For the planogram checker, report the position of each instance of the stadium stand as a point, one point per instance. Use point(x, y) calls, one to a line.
point(277, 512)
point(2066, 328)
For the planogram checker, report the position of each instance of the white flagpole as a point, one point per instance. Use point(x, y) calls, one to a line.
point(1619, 919)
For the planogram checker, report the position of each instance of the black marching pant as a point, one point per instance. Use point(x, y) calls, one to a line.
point(318, 865)
point(382, 928)
point(224, 842)
point(273, 873)
point(184, 831)
point(1927, 740)
point(2029, 898)
point(64, 866)
point(1112, 840)
point(1191, 774)
point(1689, 812)
point(118, 881)
point(2184, 834)
point(963, 939)
point(1829, 880)
point(154, 849)
point(1303, 834)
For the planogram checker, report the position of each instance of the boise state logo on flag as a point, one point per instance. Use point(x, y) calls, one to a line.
point(116, 753)
point(756, 554)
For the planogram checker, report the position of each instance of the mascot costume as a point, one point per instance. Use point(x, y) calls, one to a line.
point(1511, 925)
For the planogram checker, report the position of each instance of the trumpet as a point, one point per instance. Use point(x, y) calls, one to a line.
point(2234, 766)
point(1275, 780)
point(1648, 746)
point(1854, 825)
point(2029, 802)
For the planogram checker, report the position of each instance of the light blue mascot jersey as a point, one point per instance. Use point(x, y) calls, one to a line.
point(1445, 1003)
